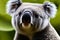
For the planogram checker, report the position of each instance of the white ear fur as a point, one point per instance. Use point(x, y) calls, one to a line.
point(52, 8)
point(9, 8)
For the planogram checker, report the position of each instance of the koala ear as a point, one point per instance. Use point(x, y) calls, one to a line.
point(12, 6)
point(50, 9)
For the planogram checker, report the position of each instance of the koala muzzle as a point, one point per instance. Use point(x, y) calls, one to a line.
point(26, 19)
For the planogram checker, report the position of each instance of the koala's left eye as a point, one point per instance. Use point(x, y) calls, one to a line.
point(36, 15)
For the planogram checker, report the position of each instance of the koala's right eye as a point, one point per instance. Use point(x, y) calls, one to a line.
point(19, 13)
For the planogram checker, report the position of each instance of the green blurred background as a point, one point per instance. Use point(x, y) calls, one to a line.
point(6, 29)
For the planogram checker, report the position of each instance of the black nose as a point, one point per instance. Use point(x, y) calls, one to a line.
point(26, 18)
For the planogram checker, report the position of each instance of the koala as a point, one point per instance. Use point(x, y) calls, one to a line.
point(31, 21)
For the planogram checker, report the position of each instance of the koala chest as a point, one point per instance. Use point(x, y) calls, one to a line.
point(26, 34)
point(37, 36)
point(40, 35)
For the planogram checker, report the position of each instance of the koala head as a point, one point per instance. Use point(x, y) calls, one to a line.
point(30, 15)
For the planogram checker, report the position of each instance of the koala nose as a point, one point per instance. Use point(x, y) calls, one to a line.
point(26, 18)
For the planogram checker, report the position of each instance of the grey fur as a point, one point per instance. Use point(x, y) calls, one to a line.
point(40, 28)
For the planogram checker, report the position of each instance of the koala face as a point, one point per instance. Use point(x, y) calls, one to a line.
point(30, 18)
point(34, 17)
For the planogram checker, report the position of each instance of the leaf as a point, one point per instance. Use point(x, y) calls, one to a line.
point(5, 19)
point(6, 35)
point(5, 23)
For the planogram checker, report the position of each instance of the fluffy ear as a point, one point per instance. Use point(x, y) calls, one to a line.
point(50, 9)
point(12, 6)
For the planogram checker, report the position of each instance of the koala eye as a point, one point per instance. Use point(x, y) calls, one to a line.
point(19, 13)
point(36, 15)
